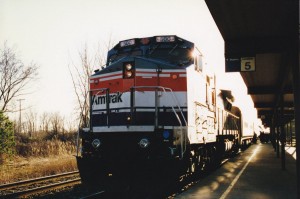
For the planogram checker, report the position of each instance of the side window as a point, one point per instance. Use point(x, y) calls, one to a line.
point(213, 93)
point(198, 63)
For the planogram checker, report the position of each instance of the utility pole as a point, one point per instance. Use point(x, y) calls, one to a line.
point(20, 118)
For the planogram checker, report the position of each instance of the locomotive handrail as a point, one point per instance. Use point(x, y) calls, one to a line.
point(81, 114)
point(107, 99)
point(77, 139)
point(174, 98)
point(164, 89)
point(179, 108)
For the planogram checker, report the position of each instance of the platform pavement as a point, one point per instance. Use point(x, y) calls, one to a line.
point(254, 174)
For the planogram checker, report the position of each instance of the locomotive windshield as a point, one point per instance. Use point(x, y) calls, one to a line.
point(118, 56)
point(174, 55)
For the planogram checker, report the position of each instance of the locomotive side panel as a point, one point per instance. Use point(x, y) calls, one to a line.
point(201, 115)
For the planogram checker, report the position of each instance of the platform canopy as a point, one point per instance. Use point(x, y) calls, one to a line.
point(261, 41)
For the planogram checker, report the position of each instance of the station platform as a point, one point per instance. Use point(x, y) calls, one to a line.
point(255, 173)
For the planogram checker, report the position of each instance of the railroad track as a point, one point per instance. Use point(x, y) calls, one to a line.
point(93, 195)
point(38, 185)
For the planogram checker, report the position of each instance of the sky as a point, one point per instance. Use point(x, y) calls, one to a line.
point(51, 33)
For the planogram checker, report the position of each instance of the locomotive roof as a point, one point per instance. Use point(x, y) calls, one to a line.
point(143, 44)
point(153, 40)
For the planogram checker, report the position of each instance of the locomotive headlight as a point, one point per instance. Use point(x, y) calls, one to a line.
point(128, 74)
point(128, 66)
point(128, 70)
point(96, 143)
point(144, 143)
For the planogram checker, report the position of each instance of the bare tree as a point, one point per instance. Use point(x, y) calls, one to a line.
point(101, 53)
point(70, 125)
point(14, 77)
point(80, 74)
point(80, 78)
point(45, 122)
point(30, 123)
point(57, 123)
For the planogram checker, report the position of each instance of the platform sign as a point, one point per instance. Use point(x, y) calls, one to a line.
point(247, 64)
point(240, 64)
point(232, 65)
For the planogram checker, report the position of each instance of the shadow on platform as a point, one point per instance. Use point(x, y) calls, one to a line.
point(254, 174)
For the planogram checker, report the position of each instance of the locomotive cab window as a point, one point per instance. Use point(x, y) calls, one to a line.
point(174, 55)
point(115, 57)
point(198, 63)
point(198, 60)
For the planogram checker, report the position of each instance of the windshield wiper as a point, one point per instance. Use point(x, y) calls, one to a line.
point(153, 49)
point(172, 49)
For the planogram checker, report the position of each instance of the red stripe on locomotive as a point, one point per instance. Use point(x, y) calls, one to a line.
point(175, 81)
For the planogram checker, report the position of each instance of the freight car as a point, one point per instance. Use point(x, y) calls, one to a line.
point(155, 109)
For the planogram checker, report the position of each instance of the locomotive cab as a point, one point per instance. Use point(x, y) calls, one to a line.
point(138, 107)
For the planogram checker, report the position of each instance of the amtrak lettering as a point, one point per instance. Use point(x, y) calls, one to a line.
point(113, 98)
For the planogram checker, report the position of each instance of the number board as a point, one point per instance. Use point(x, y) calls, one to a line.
point(240, 64)
point(247, 64)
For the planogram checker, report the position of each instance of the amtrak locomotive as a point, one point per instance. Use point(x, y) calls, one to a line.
point(155, 109)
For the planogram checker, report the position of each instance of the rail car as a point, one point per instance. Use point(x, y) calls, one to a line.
point(154, 108)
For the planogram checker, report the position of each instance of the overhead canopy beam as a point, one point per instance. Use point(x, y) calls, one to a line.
point(272, 104)
point(270, 112)
point(259, 90)
point(251, 46)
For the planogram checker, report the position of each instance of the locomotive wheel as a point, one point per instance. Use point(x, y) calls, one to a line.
point(217, 158)
point(197, 166)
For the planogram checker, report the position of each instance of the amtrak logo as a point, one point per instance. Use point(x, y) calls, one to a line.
point(113, 98)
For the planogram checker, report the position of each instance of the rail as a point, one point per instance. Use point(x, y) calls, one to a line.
point(94, 195)
point(24, 188)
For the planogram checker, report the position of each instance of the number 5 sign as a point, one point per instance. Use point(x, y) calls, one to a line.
point(247, 64)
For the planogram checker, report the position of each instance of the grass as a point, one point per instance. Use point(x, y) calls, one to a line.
point(38, 158)
point(20, 168)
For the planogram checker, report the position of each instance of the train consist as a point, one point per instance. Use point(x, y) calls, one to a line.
point(155, 109)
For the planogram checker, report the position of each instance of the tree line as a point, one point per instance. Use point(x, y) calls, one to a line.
point(15, 79)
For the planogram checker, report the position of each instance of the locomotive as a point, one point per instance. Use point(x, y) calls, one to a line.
point(155, 109)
